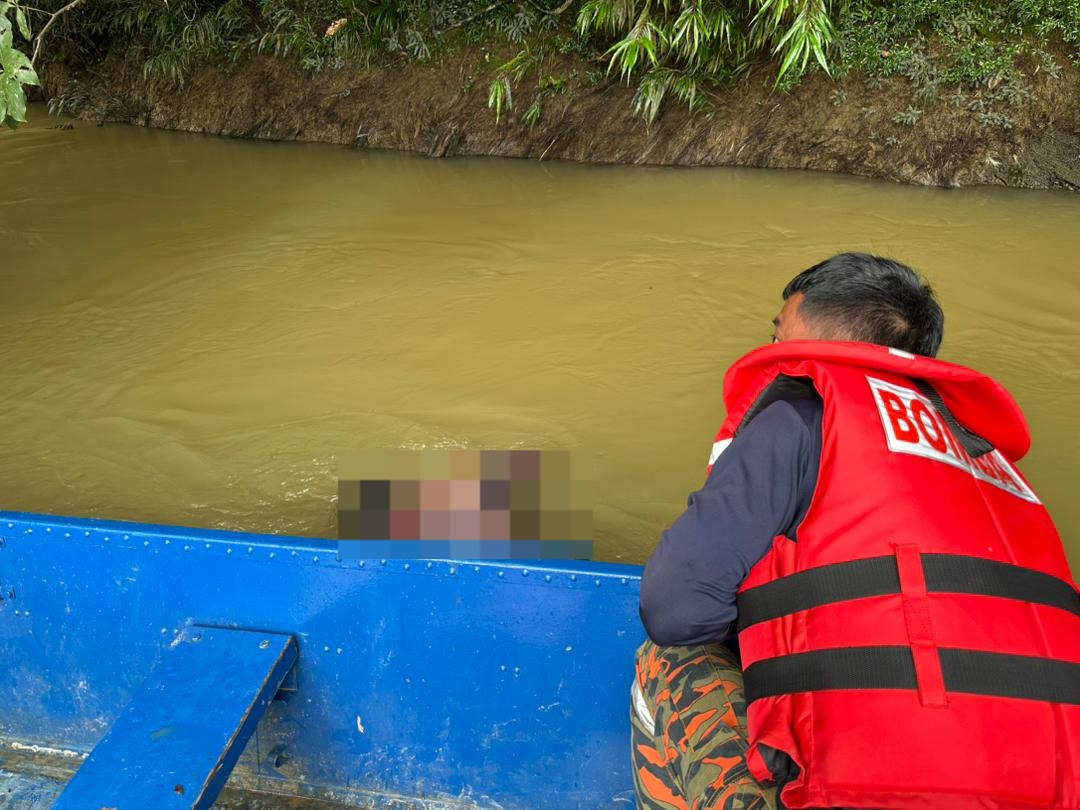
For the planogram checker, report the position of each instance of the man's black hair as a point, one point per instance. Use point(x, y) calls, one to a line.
point(873, 300)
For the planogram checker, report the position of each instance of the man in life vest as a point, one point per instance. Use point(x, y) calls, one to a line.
point(908, 627)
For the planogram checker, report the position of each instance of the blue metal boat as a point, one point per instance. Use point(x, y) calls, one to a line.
point(150, 667)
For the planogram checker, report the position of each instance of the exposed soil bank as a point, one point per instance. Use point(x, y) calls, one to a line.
point(440, 109)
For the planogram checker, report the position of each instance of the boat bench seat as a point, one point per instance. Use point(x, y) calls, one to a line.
point(178, 739)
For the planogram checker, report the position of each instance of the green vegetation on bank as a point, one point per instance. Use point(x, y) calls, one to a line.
point(685, 48)
point(980, 56)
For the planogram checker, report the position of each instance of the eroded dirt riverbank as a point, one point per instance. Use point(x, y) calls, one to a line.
point(440, 109)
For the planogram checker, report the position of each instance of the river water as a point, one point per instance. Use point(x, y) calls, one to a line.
point(194, 329)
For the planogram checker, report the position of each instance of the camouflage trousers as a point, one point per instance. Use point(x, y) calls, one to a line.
point(688, 731)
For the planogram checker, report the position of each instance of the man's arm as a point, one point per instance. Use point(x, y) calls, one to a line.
point(761, 486)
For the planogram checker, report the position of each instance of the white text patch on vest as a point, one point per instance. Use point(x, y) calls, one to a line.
point(912, 425)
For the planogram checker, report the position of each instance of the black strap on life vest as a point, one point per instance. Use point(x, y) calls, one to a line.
point(967, 671)
point(878, 576)
point(974, 444)
point(784, 387)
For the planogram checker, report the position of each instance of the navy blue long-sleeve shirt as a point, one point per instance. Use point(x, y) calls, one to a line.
point(761, 486)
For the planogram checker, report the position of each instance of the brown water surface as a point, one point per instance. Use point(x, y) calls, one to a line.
point(193, 329)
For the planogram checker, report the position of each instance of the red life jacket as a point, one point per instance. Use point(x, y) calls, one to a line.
point(918, 644)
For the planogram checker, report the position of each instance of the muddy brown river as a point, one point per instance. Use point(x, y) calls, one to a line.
point(194, 329)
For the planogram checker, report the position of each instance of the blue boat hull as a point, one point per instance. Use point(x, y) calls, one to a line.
point(417, 683)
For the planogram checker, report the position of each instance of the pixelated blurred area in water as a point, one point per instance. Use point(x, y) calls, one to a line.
point(465, 504)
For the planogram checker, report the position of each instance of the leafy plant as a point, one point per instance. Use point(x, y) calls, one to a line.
point(655, 86)
point(929, 91)
point(72, 100)
point(499, 95)
point(994, 119)
point(526, 61)
point(16, 70)
point(679, 46)
point(532, 115)
point(972, 42)
point(518, 26)
point(172, 38)
point(909, 117)
point(1048, 64)
point(1016, 93)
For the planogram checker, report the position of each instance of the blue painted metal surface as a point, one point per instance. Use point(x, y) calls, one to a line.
point(176, 742)
point(423, 683)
